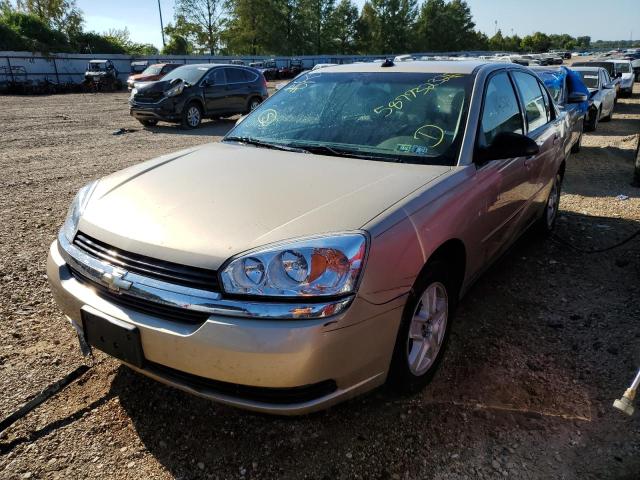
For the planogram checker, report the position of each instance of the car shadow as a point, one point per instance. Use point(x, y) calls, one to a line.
point(601, 171)
point(525, 350)
point(209, 128)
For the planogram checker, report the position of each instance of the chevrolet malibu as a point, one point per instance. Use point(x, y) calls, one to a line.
point(321, 248)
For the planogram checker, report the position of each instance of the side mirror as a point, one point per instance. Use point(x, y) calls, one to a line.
point(508, 145)
point(207, 83)
point(577, 97)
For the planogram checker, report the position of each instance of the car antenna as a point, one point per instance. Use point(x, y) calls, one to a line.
point(387, 63)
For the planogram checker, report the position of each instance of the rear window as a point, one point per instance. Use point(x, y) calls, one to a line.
point(590, 79)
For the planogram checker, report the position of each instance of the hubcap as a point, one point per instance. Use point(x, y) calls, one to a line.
point(427, 329)
point(254, 104)
point(552, 204)
point(193, 116)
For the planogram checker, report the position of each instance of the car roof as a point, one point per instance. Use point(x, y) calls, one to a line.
point(417, 66)
point(212, 65)
point(619, 60)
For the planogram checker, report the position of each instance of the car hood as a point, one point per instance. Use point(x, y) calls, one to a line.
point(201, 206)
point(142, 78)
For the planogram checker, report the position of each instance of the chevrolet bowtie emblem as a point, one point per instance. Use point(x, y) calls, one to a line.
point(115, 281)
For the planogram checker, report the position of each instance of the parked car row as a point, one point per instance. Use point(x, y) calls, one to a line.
point(321, 248)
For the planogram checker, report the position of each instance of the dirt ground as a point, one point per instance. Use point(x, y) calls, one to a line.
point(541, 346)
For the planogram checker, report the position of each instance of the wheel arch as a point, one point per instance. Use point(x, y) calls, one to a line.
point(454, 253)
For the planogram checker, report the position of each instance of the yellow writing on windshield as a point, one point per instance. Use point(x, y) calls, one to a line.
point(430, 135)
point(398, 102)
point(267, 117)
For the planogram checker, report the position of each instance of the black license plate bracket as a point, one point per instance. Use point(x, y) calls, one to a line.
point(114, 337)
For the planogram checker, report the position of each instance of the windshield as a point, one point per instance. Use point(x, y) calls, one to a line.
point(97, 67)
point(411, 117)
point(622, 68)
point(152, 70)
point(189, 73)
point(590, 79)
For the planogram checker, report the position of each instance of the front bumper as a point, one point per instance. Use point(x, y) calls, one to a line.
point(226, 356)
point(167, 109)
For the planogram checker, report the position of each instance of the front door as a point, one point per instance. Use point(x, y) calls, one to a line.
point(505, 181)
point(215, 91)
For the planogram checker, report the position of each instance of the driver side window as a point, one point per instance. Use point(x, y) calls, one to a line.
point(216, 77)
point(500, 111)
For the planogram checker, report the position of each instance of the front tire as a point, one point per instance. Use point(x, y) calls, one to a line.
point(424, 329)
point(578, 145)
point(192, 116)
point(592, 124)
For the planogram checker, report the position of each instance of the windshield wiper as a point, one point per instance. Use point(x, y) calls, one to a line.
point(260, 143)
point(336, 152)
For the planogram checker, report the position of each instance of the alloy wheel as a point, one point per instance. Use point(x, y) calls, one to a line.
point(427, 328)
point(193, 116)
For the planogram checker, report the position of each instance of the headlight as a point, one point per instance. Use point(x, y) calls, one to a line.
point(321, 266)
point(70, 226)
point(177, 90)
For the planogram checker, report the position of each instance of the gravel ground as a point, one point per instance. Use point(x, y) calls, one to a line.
point(540, 348)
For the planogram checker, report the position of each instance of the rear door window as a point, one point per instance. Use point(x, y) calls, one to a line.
point(533, 99)
point(500, 111)
point(235, 75)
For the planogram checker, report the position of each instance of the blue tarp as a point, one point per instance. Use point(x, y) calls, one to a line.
point(554, 78)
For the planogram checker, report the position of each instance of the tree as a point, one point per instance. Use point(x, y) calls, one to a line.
point(538, 42)
point(177, 45)
point(393, 29)
point(496, 43)
point(445, 26)
point(366, 27)
point(61, 15)
point(203, 19)
point(343, 27)
point(315, 16)
point(256, 27)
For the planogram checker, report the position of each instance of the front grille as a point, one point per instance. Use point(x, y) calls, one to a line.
point(148, 98)
point(194, 277)
point(281, 396)
point(166, 312)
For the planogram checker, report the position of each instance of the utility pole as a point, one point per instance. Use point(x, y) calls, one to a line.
point(161, 25)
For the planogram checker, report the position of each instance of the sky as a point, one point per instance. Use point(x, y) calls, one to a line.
point(602, 20)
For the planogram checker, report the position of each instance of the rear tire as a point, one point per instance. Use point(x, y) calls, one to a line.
point(253, 103)
point(191, 116)
point(424, 329)
point(547, 222)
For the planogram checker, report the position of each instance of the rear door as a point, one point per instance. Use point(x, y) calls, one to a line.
point(215, 90)
point(237, 89)
point(543, 125)
point(506, 180)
